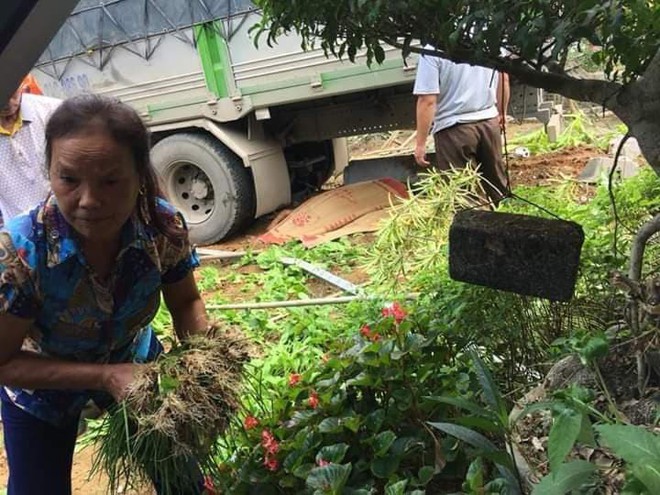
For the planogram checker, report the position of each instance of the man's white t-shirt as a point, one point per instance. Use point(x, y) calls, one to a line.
point(466, 93)
point(23, 182)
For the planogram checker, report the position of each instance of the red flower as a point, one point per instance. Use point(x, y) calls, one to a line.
point(209, 489)
point(313, 399)
point(323, 462)
point(395, 311)
point(269, 443)
point(294, 378)
point(366, 332)
point(250, 422)
point(271, 463)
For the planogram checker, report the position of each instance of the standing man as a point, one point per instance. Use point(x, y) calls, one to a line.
point(464, 106)
point(23, 182)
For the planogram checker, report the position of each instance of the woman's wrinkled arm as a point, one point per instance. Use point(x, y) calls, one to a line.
point(24, 369)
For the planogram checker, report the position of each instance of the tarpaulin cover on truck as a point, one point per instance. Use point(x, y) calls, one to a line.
point(97, 25)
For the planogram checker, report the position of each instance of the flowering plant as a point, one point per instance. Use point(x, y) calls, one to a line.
point(356, 422)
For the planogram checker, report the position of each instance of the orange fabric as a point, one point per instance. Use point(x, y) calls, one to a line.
point(338, 212)
point(30, 85)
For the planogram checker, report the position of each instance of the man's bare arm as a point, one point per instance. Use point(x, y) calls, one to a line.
point(426, 105)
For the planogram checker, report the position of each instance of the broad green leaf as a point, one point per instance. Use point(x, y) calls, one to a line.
point(383, 441)
point(649, 475)
point(374, 420)
point(475, 476)
point(312, 440)
point(415, 342)
point(404, 444)
point(570, 476)
point(510, 480)
point(331, 478)
point(403, 399)
point(586, 435)
point(633, 444)
point(292, 459)
point(351, 423)
point(303, 471)
point(332, 453)
point(595, 348)
point(467, 435)
point(330, 425)
point(426, 474)
point(328, 382)
point(363, 379)
point(379, 55)
point(563, 433)
point(398, 488)
point(384, 467)
point(300, 418)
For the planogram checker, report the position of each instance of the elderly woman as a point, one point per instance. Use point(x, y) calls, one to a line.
point(81, 278)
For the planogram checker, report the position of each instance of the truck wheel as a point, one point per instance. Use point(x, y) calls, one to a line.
point(207, 182)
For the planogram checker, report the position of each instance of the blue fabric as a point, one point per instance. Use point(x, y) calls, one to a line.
point(44, 277)
point(39, 454)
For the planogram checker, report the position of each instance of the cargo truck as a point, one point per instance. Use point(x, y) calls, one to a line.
point(238, 128)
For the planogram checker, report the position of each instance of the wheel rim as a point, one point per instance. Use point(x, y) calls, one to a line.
point(192, 192)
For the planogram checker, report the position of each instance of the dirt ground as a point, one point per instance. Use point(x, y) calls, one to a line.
point(536, 170)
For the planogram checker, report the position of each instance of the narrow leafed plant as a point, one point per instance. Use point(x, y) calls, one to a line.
point(413, 238)
point(166, 429)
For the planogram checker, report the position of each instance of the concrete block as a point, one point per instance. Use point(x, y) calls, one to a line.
point(527, 255)
point(599, 167)
point(553, 128)
point(630, 150)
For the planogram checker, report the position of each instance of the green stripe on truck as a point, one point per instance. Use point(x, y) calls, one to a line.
point(214, 54)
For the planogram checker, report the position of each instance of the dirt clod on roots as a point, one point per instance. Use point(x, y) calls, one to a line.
point(192, 389)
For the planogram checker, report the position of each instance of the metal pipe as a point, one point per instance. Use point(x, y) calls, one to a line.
point(324, 301)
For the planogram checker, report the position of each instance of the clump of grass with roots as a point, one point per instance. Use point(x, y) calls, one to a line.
point(166, 429)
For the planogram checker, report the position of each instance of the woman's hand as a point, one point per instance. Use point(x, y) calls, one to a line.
point(118, 378)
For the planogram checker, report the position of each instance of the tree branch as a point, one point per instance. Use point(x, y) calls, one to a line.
point(647, 231)
point(593, 90)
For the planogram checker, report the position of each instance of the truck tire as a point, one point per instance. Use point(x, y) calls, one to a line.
point(207, 182)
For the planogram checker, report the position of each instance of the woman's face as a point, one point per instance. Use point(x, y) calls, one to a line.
point(95, 181)
point(13, 104)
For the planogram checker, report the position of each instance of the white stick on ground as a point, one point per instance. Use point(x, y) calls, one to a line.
point(297, 303)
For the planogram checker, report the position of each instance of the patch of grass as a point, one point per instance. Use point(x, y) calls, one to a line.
point(577, 132)
point(208, 280)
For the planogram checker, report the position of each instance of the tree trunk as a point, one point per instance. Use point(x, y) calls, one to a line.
point(638, 106)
